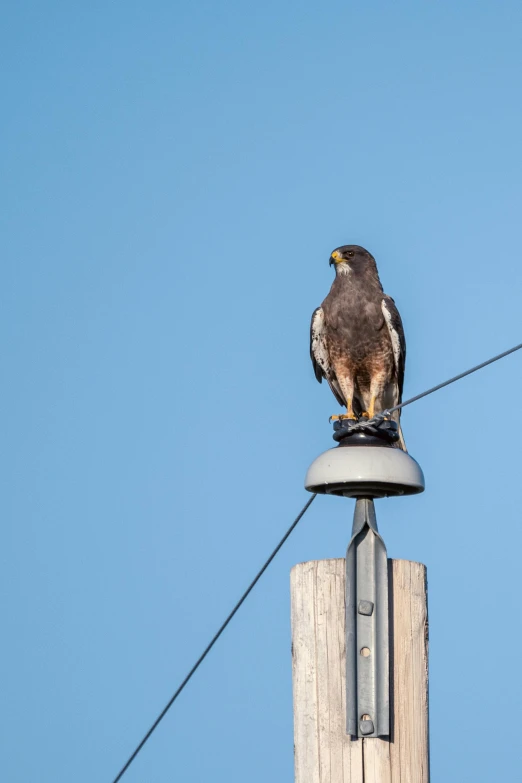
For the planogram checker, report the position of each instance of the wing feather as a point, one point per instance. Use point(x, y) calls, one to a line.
point(320, 355)
point(396, 332)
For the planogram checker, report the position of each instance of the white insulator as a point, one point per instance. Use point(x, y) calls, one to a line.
point(365, 471)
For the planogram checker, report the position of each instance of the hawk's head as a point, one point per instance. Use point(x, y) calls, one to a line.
point(351, 257)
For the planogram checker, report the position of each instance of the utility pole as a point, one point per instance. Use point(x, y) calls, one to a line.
point(360, 630)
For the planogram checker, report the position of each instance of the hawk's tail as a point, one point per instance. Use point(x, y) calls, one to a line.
point(401, 443)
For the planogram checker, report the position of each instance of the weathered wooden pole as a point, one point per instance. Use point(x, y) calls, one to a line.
point(324, 752)
point(360, 630)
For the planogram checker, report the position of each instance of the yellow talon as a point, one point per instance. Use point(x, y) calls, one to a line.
point(343, 416)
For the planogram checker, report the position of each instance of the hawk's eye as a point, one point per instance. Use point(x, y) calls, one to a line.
point(351, 254)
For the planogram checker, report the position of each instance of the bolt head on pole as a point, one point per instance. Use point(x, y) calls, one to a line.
point(373, 471)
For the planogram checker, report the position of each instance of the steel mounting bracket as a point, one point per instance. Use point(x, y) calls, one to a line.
point(367, 632)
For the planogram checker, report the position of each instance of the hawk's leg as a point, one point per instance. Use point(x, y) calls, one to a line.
point(369, 414)
point(348, 415)
point(376, 393)
point(346, 386)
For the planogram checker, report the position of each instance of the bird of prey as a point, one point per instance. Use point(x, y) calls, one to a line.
point(357, 340)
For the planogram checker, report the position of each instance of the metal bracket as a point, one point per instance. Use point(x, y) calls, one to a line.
point(367, 636)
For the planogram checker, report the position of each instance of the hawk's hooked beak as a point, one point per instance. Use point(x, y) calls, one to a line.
point(335, 258)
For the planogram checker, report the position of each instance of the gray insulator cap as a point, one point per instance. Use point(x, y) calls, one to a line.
point(365, 471)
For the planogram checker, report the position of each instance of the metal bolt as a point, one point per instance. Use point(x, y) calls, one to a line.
point(365, 607)
point(366, 727)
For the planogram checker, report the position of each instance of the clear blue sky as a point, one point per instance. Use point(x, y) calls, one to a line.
point(175, 176)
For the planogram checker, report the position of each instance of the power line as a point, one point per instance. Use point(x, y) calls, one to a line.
point(214, 640)
point(452, 380)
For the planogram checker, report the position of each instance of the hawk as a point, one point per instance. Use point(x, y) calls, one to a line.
point(357, 340)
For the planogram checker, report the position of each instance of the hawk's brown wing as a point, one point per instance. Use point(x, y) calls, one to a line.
point(396, 331)
point(320, 356)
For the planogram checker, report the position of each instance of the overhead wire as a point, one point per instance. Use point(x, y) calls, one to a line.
point(452, 380)
point(214, 639)
point(274, 553)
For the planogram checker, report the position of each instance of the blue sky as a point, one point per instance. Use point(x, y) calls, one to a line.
point(174, 179)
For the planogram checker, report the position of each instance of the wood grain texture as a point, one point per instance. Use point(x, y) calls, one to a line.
point(323, 751)
point(409, 749)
